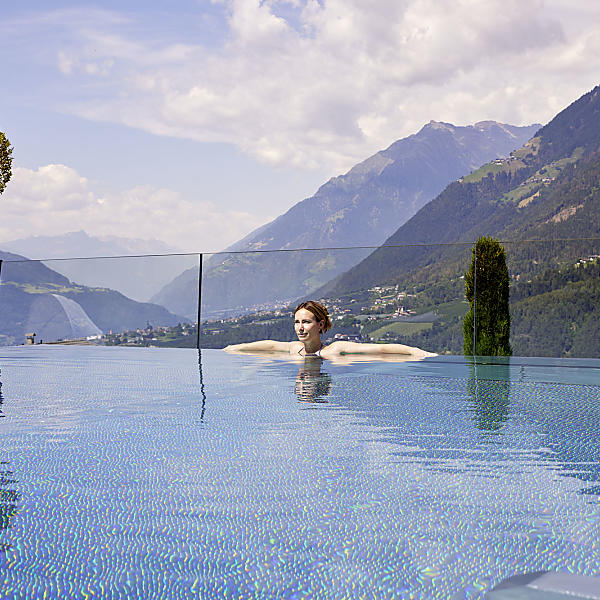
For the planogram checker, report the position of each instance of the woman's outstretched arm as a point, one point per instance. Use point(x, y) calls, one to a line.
point(260, 346)
point(377, 349)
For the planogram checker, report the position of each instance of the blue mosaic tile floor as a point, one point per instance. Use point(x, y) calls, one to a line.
point(148, 473)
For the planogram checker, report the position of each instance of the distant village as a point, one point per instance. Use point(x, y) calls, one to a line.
point(379, 302)
point(384, 301)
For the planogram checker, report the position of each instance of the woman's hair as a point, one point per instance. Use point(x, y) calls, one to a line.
point(317, 309)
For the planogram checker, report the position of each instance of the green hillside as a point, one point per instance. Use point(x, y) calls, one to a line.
point(557, 313)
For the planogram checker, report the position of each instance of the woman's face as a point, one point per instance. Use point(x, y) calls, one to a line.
point(306, 325)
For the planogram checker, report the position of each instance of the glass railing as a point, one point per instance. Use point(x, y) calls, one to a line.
point(399, 296)
point(413, 295)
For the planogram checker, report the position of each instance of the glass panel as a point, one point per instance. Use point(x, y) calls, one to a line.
point(95, 300)
point(430, 287)
point(401, 295)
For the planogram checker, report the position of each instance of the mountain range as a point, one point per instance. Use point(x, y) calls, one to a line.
point(547, 192)
point(137, 277)
point(522, 197)
point(361, 208)
point(541, 199)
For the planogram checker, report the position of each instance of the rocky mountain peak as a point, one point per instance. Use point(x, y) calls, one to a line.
point(359, 208)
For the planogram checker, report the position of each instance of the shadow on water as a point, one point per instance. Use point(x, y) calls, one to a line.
point(489, 388)
point(9, 497)
point(312, 385)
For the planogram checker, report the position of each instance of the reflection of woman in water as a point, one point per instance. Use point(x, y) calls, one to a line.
point(311, 319)
point(311, 384)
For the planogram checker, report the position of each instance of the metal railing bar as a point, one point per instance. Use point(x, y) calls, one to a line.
point(415, 245)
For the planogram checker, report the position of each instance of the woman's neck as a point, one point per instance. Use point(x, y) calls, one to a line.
point(313, 346)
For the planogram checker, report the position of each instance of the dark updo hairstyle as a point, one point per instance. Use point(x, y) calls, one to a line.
point(317, 309)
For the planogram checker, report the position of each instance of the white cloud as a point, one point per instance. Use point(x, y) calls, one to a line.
point(51, 188)
point(55, 199)
point(323, 83)
point(343, 78)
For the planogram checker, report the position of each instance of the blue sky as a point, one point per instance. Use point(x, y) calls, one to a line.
point(194, 122)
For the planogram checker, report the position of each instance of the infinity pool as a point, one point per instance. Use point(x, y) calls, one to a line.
point(151, 473)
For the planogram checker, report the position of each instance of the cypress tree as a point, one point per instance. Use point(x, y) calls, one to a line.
point(486, 289)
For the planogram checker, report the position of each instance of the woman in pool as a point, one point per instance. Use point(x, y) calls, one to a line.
point(311, 319)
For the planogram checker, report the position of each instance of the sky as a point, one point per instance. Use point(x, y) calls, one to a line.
point(194, 122)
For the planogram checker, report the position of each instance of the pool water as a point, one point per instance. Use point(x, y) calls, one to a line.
point(159, 473)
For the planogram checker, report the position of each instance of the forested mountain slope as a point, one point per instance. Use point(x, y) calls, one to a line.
point(546, 190)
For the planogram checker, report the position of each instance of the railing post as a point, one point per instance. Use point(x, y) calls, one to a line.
point(475, 299)
point(199, 298)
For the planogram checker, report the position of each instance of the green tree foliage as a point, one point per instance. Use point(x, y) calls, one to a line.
point(5, 161)
point(486, 289)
